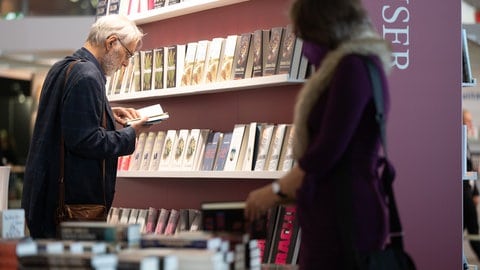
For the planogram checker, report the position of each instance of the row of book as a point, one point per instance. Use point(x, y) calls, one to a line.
point(260, 53)
point(254, 146)
point(131, 7)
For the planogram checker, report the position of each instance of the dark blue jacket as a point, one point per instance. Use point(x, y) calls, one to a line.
point(86, 143)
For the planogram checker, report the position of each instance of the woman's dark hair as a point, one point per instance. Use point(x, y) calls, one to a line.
point(327, 22)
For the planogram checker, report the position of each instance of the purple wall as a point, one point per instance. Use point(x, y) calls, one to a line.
point(424, 128)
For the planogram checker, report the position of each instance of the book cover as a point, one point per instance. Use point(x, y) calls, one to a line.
point(303, 68)
point(142, 219)
point(127, 78)
point(147, 150)
point(188, 64)
point(252, 134)
point(282, 241)
point(228, 216)
point(12, 223)
point(202, 143)
point(263, 147)
point(198, 74)
point(191, 149)
point(180, 62)
point(273, 219)
point(211, 148)
point(297, 56)
point(179, 149)
point(213, 59)
point(137, 154)
point(172, 222)
point(136, 84)
point(102, 9)
point(113, 7)
point(236, 145)
point(226, 60)
point(162, 220)
point(123, 9)
point(118, 80)
point(125, 162)
point(128, 234)
point(152, 218)
point(124, 215)
point(274, 152)
point(158, 78)
point(167, 150)
point(134, 7)
point(157, 151)
point(171, 66)
point(158, 3)
point(257, 51)
point(132, 219)
point(241, 56)
point(222, 152)
point(147, 69)
point(286, 156)
point(287, 49)
point(271, 50)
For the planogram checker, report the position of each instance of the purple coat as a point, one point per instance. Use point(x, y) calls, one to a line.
point(342, 125)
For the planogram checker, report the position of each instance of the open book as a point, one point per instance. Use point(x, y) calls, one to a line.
point(154, 113)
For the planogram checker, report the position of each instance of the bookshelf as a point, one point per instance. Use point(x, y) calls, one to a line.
point(217, 106)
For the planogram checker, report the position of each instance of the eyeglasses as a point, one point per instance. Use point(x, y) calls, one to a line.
point(129, 53)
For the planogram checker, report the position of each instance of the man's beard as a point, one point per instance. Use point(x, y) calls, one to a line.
point(111, 63)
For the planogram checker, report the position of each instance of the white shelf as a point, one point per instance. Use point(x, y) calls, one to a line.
point(202, 174)
point(231, 85)
point(180, 9)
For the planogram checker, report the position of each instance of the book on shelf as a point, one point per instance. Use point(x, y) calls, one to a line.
point(191, 49)
point(228, 216)
point(68, 260)
point(124, 215)
point(286, 160)
point(132, 219)
point(271, 46)
point(142, 219)
point(243, 58)
point(127, 78)
point(154, 113)
point(263, 146)
point(213, 59)
point(127, 235)
point(226, 59)
point(117, 81)
point(466, 66)
point(198, 74)
point(172, 222)
point(168, 150)
point(124, 166)
point(123, 9)
point(114, 216)
point(102, 9)
point(147, 67)
point(136, 81)
point(211, 148)
point(152, 218)
point(296, 57)
point(303, 69)
point(179, 149)
point(222, 152)
point(114, 7)
point(170, 66)
point(194, 148)
point(252, 134)
point(137, 154)
point(257, 52)
point(147, 150)
point(162, 220)
point(158, 78)
point(158, 3)
point(287, 49)
point(275, 149)
point(183, 221)
point(157, 151)
point(285, 234)
point(236, 146)
point(141, 259)
point(183, 239)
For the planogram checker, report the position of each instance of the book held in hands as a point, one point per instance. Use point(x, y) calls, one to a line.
point(154, 113)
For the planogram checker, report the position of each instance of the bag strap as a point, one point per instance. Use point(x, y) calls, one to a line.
point(388, 174)
point(61, 197)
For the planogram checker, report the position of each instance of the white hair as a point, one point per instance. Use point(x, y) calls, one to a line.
point(114, 24)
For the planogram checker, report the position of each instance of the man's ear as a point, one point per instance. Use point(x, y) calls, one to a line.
point(109, 41)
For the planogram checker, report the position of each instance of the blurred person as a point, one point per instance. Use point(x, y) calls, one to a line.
point(335, 127)
point(74, 109)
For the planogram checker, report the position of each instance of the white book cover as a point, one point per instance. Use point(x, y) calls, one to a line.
point(179, 149)
point(158, 77)
point(303, 68)
point(147, 150)
point(181, 51)
point(147, 60)
point(297, 56)
point(235, 147)
point(213, 59)
point(275, 147)
point(132, 219)
point(198, 75)
point(127, 78)
point(12, 223)
point(136, 159)
point(167, 150)
point(189, 63)
point(251, 135)
point(124, 215)
point(157, 151)
point(286, 157)
point(142, 219)
point(226, 60)
point(136, 81)
point(191, 149)
point(263, 147)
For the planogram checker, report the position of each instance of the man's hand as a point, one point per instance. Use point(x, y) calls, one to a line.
point(122, 115)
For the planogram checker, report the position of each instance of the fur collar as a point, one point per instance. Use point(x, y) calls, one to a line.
point(366, 43)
